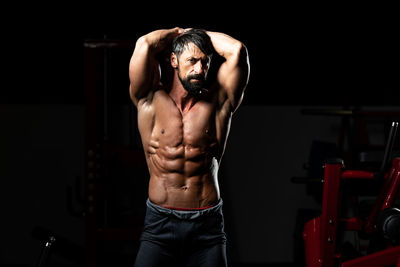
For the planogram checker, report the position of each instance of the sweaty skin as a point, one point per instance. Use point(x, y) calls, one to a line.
point(183, 136)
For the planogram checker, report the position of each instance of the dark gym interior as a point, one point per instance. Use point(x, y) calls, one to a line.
point(324, 83)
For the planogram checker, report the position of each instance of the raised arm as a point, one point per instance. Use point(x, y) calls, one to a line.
point(144, 69)
point(233, 74)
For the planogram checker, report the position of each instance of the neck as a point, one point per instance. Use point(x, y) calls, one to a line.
point(183, 100)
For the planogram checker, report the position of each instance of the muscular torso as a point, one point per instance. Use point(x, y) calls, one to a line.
point(183, 149)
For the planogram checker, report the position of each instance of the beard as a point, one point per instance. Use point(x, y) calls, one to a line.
point(194, 88)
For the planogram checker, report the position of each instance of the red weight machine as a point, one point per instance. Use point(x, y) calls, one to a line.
point(323, 235)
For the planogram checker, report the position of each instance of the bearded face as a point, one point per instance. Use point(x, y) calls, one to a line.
point(192, 67)
point(193, 83)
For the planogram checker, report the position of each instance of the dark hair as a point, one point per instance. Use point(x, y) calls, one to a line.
point(196, 36)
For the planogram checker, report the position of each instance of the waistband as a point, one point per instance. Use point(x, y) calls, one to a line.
point(186, 214)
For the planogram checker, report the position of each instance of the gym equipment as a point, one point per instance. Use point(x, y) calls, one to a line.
point(45, 252)
point(57, 249)
point(323, 235)
point(113, 205)
point(388, 223)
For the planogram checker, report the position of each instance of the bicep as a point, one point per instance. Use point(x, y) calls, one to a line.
point(233, 76)
point(144, 72)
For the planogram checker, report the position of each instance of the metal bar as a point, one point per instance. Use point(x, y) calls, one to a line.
point(358, 174)
point(330, 211)
point(94, 44)
point(389, 146)
point(45, 252)
point(393, 189)
point(311, 237)
point(92, 144)
point(371, 219)
point(350, 112)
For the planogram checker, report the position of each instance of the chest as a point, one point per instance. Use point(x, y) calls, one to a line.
point(193, 127)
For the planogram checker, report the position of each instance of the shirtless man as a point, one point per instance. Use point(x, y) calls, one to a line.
point(184, 121)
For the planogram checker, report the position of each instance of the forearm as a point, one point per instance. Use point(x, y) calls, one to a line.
point(158, 40)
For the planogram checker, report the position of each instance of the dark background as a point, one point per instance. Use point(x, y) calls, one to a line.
point(321, 54)
point(301, 56)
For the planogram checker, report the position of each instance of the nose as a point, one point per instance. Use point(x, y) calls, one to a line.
point(198, 67)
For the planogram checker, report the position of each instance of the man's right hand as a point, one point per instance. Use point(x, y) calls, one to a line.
point(160, 39)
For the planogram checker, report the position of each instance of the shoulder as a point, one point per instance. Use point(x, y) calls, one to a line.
point(154, 97)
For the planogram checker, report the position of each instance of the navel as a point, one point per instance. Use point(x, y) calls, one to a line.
point(162, 131)
point(185, 187)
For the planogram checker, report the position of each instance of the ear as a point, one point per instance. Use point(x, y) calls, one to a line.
point(174, 60)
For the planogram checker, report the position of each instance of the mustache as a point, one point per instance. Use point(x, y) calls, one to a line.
point(196, 76)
